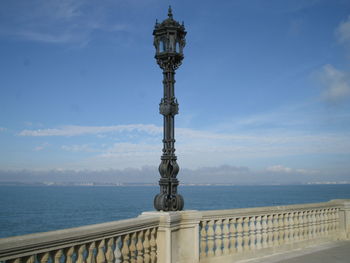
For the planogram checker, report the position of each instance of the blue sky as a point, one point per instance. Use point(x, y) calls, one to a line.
point(264, 85)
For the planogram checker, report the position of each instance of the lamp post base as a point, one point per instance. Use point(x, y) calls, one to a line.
point(165, 202)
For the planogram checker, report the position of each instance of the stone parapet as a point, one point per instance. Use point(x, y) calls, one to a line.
point(187, 236)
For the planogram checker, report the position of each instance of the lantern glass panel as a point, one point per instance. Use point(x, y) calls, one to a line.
point(177, 47)
point(162, 46)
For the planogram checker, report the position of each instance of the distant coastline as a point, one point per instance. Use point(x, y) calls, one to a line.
point(99, 184)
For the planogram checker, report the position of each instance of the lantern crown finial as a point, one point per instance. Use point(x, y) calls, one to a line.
point(170, 12)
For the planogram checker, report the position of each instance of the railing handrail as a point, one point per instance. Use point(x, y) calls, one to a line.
point(254, 211)
point(41, 242)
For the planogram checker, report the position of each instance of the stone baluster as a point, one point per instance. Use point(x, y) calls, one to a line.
point(269, 230)
point(318, 223)
point(100, 257)
point(153, 244)
point(296, 227)
point(276, 230)
point(15, 260)
point(233, 231)
point(203, 245)
point(258, 232)
point(322, 219)
point(291, 227)
point(80, 256)
point(246, 233)
point(125, 249)
point(210, 235)
point(337, 220)
point(139, 247)
point(309, 224)
point(109, 251)
point(68, 253)
point(264, 231)
point(91, 253)
point(31, 259)
point(314, 227)
point(117, 252)
point(252, 234)
point(44, 257)
point(306, 225)
point(146, 246)
point(332, 223)
point(301, 225)
point(132, 248)
point(286, 228)
point(225, 237)
point(57, 255)
point(280, 229)
point(326, 222)
point(218, 237)
point(334, 220)
point(239, 234)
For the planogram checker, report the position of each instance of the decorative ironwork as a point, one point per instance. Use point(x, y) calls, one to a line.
point(169, 41)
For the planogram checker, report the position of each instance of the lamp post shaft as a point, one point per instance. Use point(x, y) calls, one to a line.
point(168, 36)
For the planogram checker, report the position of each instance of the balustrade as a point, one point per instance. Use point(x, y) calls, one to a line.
point(104, 243)
point(202, 236)
point(257, 229)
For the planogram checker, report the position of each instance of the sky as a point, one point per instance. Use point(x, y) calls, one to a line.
point(263, 91)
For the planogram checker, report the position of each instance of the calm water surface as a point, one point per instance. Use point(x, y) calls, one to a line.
point(30, 209)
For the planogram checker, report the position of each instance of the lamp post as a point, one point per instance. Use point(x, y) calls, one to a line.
point(169, 41)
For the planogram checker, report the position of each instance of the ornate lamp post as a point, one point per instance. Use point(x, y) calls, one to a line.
point(169, 41)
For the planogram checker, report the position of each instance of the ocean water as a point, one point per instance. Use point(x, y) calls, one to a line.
point(31, 209)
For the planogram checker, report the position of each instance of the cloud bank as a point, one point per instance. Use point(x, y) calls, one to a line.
point(223, 174)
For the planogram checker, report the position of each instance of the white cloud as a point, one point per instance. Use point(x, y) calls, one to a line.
point(224, 174)
point(343, 32)
point(278, 169)
point(336, 83)
point(79, 148)
point(74, 130)
point(286, 170)
point(2, 129)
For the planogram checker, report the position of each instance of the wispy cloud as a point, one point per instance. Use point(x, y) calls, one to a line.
point(136, 145)
point(336, 84)
point(41, 147)
point(74, 130)
point(56, 21)
point(79, 148)
point(295, 27)
point(343, 32)
point(2, 129)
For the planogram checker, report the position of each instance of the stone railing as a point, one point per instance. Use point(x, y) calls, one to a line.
point(250, 232)
point(187, 236)
point(132, 240)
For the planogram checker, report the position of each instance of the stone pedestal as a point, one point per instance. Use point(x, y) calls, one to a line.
point(177, 236)
point(344, 218)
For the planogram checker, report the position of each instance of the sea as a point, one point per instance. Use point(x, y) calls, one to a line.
point(32, 209)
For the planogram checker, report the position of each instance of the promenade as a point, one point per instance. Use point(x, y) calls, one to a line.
point(333, 252)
